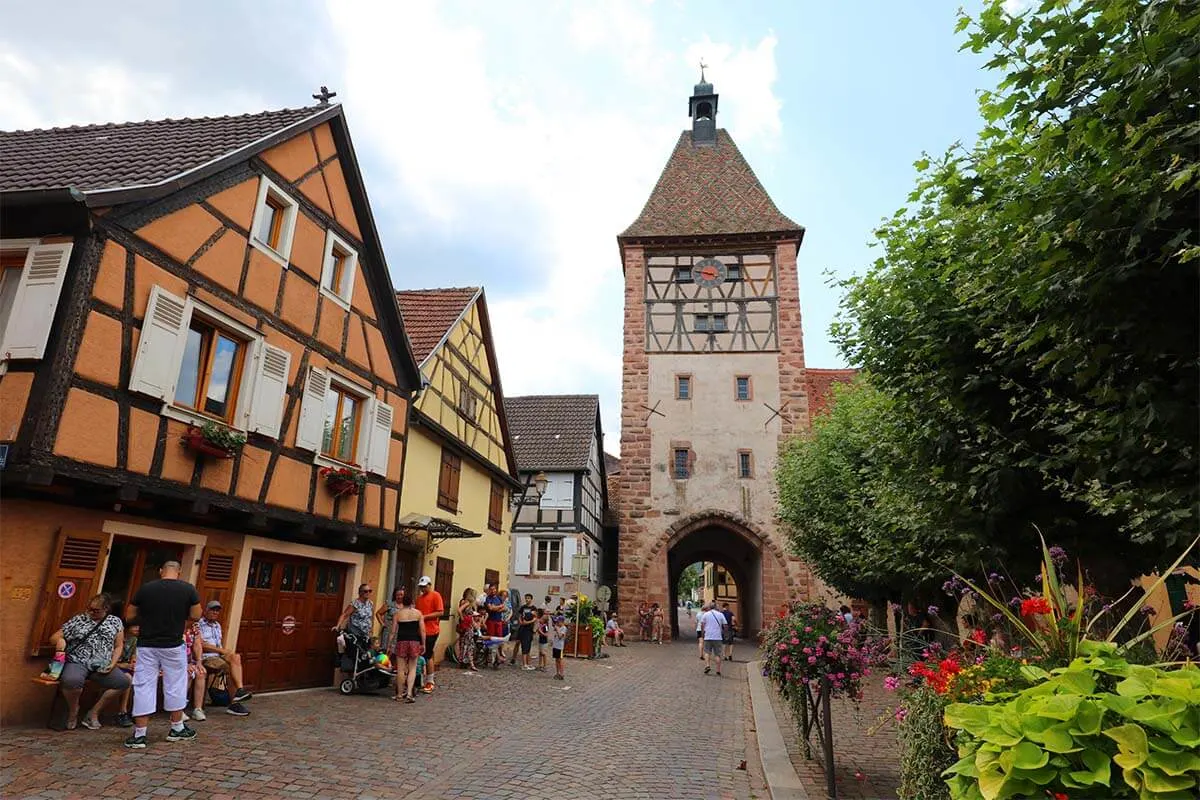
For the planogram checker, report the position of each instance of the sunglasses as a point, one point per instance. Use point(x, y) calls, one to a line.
point(365, 591)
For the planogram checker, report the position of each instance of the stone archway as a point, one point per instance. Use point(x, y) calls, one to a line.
point(758, 566)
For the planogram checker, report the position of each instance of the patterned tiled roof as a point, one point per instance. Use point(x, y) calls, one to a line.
point(820, 387)
point(708, 190)
point(429, 313)
point(552, 431)
point(130, 154)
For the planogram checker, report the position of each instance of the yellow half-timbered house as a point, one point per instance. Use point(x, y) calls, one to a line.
point(459, 468)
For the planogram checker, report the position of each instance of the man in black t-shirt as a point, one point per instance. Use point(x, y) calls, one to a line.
point(163, 608)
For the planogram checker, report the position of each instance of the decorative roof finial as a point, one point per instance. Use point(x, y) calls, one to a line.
point(703, 67)
point(323, 97)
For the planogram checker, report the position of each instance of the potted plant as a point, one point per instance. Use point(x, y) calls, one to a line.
point(590, 630)
point(213, 439)
point(343, 481)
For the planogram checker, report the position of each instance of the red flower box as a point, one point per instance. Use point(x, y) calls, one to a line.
point(341, 488)
point(194, 440)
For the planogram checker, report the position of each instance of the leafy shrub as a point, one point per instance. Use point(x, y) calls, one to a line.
point(925, 751)
point(1098, 728)
point(220, 436)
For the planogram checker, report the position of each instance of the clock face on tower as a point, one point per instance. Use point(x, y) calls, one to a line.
point(709, 273)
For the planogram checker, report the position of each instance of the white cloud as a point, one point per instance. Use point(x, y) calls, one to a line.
point(1015, 7)
point(66, 91)
point(565, 157)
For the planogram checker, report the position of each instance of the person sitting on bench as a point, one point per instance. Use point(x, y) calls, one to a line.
point(612, 630)
point(220, 659)
point(91, 644)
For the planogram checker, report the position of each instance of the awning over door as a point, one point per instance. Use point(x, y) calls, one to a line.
point(437, 528)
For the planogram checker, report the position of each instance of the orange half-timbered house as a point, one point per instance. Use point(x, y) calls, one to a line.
point(165, 278)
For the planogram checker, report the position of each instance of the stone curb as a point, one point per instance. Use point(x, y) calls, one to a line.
point(782, 781)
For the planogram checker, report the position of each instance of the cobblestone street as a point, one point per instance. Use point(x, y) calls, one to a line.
point(644, 723)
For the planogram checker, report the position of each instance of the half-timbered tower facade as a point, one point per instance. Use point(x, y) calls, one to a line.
point(714, 376)
point(559, 444)
point(459, 467)
point(197, 324)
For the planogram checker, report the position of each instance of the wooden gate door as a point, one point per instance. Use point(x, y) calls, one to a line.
point(290, 607)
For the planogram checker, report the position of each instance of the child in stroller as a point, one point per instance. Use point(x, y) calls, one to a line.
point(361, 665)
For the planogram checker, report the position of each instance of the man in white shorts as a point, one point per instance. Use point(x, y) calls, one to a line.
point(713, 622)
point(162, 607)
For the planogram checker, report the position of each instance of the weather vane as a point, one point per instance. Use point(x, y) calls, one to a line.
point(324, 96)
point(703, 67)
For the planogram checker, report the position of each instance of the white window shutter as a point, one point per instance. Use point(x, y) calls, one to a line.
point(522, 548)
point(270, 390)
point(379, 428)
point(35, 301)
point(311, 428)
point(568, 554)
point(156, 367)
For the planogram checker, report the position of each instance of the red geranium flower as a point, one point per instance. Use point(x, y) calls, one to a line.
point(1034, 605)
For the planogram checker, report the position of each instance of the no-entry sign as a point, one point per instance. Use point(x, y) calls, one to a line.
point(288, 625)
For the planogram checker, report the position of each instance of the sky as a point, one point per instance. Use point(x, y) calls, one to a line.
point(506, 144)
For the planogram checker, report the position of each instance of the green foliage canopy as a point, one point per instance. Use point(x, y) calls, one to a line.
point(1033, 317)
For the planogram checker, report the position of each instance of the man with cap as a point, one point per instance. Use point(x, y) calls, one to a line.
point(429, 602)
point(220, 659)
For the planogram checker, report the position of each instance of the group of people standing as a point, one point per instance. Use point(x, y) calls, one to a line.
point(651, 623)
point(487, 624)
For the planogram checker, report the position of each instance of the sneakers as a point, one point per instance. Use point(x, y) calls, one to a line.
point(427, 688)
point(241, 695)
point(124, 720)
point(186, 718)
point(90, 723)
point(136, 742)
point(559, 678)
point(707, 670)
point(184, 735)
point(529, 669)
point(199, 715)
point(238, 710)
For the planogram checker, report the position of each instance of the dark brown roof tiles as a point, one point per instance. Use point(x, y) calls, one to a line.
point(129, 154)
point(708, 190)
point(552, 431)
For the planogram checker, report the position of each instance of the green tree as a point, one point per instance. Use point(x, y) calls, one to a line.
point(861, 511)
point(1033, 317)
point(689, 581)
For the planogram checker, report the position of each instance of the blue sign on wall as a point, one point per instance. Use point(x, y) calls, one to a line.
point(3, 455)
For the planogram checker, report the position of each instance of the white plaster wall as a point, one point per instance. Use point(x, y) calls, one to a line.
point(717, 426)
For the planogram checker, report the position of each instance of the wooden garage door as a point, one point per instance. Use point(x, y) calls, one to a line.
point(291, 605)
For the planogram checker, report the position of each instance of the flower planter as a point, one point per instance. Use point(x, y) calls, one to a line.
point(339, 487)
point(586, 645)
point(194, 440)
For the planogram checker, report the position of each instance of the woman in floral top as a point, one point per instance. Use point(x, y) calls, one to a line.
point(385, 615)
point(357, 617)
point(90, 645)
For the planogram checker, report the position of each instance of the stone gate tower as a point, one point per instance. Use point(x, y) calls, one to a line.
point(714, 377)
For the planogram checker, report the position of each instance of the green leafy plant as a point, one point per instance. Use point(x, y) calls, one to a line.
point(1097, 728)
point(220, 436)
point(1055, 623)
point(925, 748)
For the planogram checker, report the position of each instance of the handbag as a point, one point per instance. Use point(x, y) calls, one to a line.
point(54, 674)
point(218, 693)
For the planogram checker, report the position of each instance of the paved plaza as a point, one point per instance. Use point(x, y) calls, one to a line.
point(643, 723)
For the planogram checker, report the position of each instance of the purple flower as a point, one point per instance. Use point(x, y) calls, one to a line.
point(901, 713)
point(1107, 607)
point(812, 659)
point(1015, 602)
point(1058, 555)
point(997, 617)
point(808, 629)
point(795, 640)
point(1180, 629)
point(784, 659)
point(993, 577)
point(933, 611)
point(1148, 611)
point(1037, 578)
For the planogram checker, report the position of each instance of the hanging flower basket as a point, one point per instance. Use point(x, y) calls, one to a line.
point(213, 440)
point(343, 481)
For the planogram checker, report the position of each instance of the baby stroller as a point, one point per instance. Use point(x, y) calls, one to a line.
point(360, 672)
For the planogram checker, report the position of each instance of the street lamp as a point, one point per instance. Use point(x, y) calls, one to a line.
point(539, 483)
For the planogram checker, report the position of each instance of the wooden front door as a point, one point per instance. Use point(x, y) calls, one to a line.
point(290, 607)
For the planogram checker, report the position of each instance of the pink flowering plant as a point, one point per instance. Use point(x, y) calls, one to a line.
point(813, 642)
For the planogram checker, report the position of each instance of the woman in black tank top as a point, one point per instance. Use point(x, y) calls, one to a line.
point(408, 633)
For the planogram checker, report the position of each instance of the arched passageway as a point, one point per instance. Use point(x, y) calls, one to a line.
point(740, 556)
